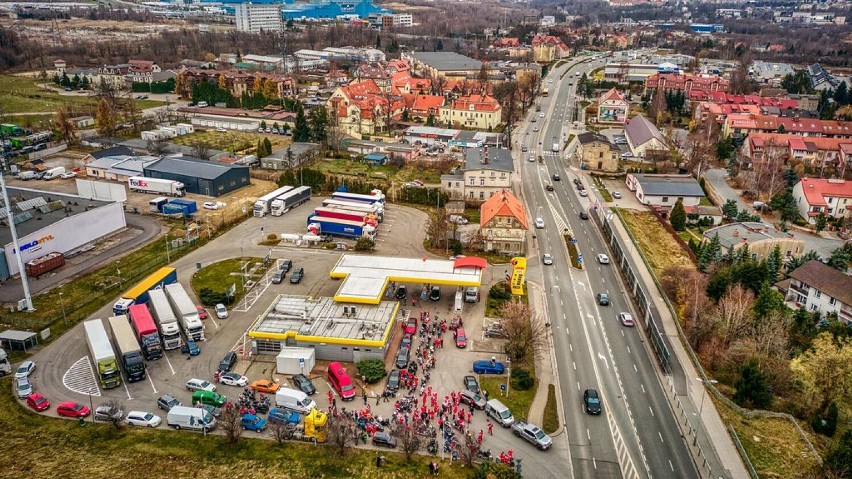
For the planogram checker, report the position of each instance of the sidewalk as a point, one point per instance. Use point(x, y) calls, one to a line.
point(713, 438)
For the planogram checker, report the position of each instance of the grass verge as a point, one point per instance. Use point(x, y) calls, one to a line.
point(660, 248)
point(551, 415)
point(24, 94)
point(99, 450)
point(220, 276)
point(772, 444)
point(231, 141)
point(518, 402)
point(602, 188)
point(572, 251)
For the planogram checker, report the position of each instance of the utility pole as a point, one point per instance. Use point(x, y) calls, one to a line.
point(24, 282)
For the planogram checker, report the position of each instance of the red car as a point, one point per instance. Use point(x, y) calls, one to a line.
point(38, 402)
point(72, 409)
point(461, 339)
point(410, 326)
point(202, 313)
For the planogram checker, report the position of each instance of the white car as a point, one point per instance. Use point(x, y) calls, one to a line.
point(142, 418)
point(221, 311)
point(616, 195)
point(535, 128)
point(550, 80)
point(603, 259)
point(209, 205)
point(531, 159)
point(541, 115)
point(233, 379)
point(627, 154)
point(221, 130)
point(68, 174)
point(626, 319)
point(547, 258)
point(196, 384)
point(539, 223)
point(23, 387)
point(25, 369)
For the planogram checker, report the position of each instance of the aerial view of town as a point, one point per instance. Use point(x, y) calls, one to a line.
point(364, 239)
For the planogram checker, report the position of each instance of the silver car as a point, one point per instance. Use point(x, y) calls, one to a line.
point(23, 387)
point(547, 258)
point(142, 418)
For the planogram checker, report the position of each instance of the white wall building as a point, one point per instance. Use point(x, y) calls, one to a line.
point(819, 287)
point(664, 190)
point(815, 196)
point(253, 18)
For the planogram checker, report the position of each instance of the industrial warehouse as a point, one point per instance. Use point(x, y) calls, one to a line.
point(198, 176)
point(50, 222)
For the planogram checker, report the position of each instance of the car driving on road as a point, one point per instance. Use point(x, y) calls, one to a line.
point(603, 259)
point(626, 319)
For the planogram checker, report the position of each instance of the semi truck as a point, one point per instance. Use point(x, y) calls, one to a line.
point(290, 200)
point(377, 198)
point(343, 214)
point(103, 357)
point(139, 292)
point(157, 186)
point(128, 348)
point(5, 366)
point(146, 331)
point(374, 209)
point(166, 319)
point(264, 203)
point(186, 312)
point(319, 225)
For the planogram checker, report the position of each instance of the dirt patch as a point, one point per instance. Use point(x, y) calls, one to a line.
point(661, 250)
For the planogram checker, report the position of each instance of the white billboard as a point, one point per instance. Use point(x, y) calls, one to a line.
point(67, 234)
point(100, 190)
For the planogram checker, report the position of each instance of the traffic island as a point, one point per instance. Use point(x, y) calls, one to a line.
point(571, 243)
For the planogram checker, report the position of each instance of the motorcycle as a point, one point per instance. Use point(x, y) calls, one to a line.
point(432, 447)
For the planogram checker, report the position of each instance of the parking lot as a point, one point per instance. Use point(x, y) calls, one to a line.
point(65, 371)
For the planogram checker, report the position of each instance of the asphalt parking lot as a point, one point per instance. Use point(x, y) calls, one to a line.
point(65, 372)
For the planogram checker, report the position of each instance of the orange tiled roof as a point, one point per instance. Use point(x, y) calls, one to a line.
point(478, 102)
point(503, 203)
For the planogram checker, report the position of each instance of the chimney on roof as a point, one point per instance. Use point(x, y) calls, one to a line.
point(485, 162)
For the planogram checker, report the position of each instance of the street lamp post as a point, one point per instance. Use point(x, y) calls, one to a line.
point(701, 408)
point(62, 304)
point(509, 374)
point(118, 271)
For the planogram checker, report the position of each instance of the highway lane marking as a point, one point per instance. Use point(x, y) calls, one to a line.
point(151, 380)
point(635, 370)
point(571, 347)
point(574, 363)
point(578, 385)
point(671, 465)
point(170, 365)
point(594, 463)
point(651, 409)
point(603, 358)
point(628, 347)
point(661, 437)
point(588, 434)
point(643, 388)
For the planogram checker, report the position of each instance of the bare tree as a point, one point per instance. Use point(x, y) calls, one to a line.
point(437, 229)
point(158, 146)
point(525, 334)
point(467, 449)
point(65, 126)
point(230, 421)
point(409, 441)
point(731, 315)
point(114, 410)
point(341, 433)
point(281, 431)
point(201, 149)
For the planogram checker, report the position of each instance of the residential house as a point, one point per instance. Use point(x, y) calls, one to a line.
point(486, 171)
point(643, 137)
point(423, 107)
point(362, 108)
point(336, 78)
point(819, 287)
point(821, 79)
point(712, 214)
point(815, 196)
point(142, 71)
point(390, 150)
point(597, 153)
point(663, 191)
point(376, 72)
point(685, 83)
point(547, 48)
point(112, 151)
point(815, 152)
point(759, 238)
point(503, 224)
point(511, 46)
point(481, 112)
point(612, 107)
point(742, 124)
point(236, 82)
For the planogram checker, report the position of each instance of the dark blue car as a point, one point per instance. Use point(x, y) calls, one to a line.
point(280, 414)
point(250, 422)
point(190, 347)
point(487, 367)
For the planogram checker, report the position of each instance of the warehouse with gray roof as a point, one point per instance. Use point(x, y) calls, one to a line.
point(663, 191)
point(208, 178)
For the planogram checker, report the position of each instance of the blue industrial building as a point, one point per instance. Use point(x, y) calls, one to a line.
point(706, 28)
point(331, 10)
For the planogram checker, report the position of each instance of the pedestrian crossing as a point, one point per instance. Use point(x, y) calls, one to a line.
point(80, 378)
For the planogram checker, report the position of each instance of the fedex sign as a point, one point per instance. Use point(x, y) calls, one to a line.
point(138, 183)
point(35, 245)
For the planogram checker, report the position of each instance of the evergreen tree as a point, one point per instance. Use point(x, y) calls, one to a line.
point(267, 147)
point(795, 262)
point(319, 124)
point(767, 301)
point(839, 457)
point(677, 217)
point(841, 95)
point(263, 124)
point(711, 253)
point(839, 259)
point(259, 151)
point(378, 41)
point(820, 222)
point(774, 263)
point(753, 389)
point(301, 131)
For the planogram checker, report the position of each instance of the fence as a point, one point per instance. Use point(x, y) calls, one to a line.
point(37, 155)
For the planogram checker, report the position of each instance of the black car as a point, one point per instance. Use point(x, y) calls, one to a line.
point(592, 402)
point(393, 381)
point(471, 384)
point(296, 276)
point(401, 292)
point(228, 361)
point(435, 293)
point(556, 178)
point(576, 181)
point(603, 299)
point(384, 439)
point(549, 187)
point(584, 215)
point(286, 265)
point(402, 358)
point(304, 384)
point(406, 341)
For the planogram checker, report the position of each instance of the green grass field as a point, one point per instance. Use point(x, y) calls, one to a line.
point(25, 95)
point(232, 142)
point(38, 446)
point(220, 276)
point(551, 415)
point(518, 402)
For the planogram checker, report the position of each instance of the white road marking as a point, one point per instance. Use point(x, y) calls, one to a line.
point(80, 378)
point(661, 436)
point(152, 382)
point(651, 409)
point(603, 358)
point(574, 363)
point(169, 363)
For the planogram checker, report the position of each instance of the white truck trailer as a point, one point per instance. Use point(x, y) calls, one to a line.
point(166, 319)
point(290, 200)
point(186, 311)
point(103, 357)
point(263, 204)
point(156, 185)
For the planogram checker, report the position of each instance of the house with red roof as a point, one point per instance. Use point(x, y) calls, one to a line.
point(479, 112)
point(830, 197)
point(612, 107)
point(815, 152)
point(503, 224)
point(686, 83)
point(547, 48)
point(423, 106)
point(363, 108)
point(741, 124)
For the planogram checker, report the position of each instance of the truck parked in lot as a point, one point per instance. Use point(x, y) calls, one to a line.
point(103, 357)
point(157, 186)
point(319, 225)
point(139, 292)
point(146, 331)
point(166, 319)
point(374, 209)
point(263, 204)
point(532, 434)
point(290, 200)
point(128, 349)
point(186, 312)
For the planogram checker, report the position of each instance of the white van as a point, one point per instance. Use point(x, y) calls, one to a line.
point(295, 400)
point(471, 294)
point(193, 418)
point(27, 175)
point(54, 173)
point(499, 412)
